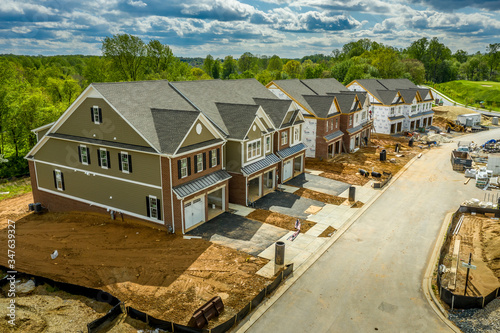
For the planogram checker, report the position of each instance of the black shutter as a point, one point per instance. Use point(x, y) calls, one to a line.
point(179, 169)
point(147, 206)
point(120, 161)
point(92, 114)
point(100, 116)
point(109, 160)
point(204, 161)
point(55, 179)
point(88, 155)
point(80, 154)
point(218, 156)
point(62, 181)
point(189, 165)
point(158, 208)
point(210, 157)
point(129, 163)
point(195, 163)
point(99, 156)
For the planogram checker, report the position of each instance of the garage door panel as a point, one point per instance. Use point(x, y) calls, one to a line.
point(194, 212)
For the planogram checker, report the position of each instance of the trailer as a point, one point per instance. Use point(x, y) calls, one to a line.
point(460, 160)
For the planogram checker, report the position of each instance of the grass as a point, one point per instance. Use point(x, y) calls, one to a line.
point(472, 92)
point(15, 188)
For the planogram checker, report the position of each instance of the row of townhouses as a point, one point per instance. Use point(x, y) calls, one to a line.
point(177, 153)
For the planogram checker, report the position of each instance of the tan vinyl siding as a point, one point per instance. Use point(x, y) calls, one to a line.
point(113, 127)
point(194, 138)
point(145, 167)
point(232, 156)
point(252, 135)
point(105, 191)
point(41, 133)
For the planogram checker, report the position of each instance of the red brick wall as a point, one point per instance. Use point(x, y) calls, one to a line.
point(194, 175)
point(237, 189)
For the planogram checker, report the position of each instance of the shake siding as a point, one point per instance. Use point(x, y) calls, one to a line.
point(145, 167)
point(113, 128)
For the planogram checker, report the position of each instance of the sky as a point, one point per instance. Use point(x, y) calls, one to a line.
point(288, 28)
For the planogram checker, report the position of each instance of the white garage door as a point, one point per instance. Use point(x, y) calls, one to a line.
point(287, 170)
point(194, 211)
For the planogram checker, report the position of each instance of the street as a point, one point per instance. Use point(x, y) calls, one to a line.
point(370, 279)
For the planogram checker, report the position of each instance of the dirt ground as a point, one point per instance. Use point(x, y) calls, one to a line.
point(444, 113)
point(328, 232)
point(49, 310)
point(279, 220)
point(480, 236)
point(153, 271)
point(345, 167)
point(323, 197)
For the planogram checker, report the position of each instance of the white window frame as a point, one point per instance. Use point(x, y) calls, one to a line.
point(254, 149)
point(268, 143)
point(336, 122)
point(213, 161)
point(59, 181)
point(296, 134)
point(184, 169)
point(284, 137)
point(331, 124)
point(127, 163)
point(392, 111)
point(153, 207)
point(83, 148)
point(97, 119)
point(350, 120)
point(199, 160)
point(105, 159)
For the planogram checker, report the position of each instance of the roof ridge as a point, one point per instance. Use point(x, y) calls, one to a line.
point(301, 81)
point(382, 85)
point(245, 104)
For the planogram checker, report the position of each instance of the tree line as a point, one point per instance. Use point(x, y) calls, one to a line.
point(36, 90)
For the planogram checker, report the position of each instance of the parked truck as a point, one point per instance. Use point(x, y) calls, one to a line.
point(460, 160)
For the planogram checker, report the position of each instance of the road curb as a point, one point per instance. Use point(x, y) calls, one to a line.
point(263, 307)
point(427, 281)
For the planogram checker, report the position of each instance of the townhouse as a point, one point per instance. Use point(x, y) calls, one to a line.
point(336, 119)
point(397, 105)
point(169, 153)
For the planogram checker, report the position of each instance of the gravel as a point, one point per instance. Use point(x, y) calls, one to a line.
point(478, 320)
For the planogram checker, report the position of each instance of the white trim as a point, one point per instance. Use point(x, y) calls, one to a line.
point(128, 162)
point(100, 158)
point(203, 189)
point(203, 119)
point(171, 193)
point(198, 170)
point(266, 116)
point(94, 109)
point(211, 151)
point(41, 128)
point(98, 174)
point(187, 168)
point(195, 150)
point(82, 146)
point(149, 204)
point(270, 143)
point(92, 203)
point(256, 156)
point(287, 137)
point(254, 122)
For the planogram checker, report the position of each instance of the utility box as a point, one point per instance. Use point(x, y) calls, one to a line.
point(494, 121)
point(494, 164)
point(470, 119)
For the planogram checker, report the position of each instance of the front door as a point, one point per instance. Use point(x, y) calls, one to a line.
point(287, 170)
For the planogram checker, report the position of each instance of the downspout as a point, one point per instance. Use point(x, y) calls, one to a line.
point(182, 215)
point(172, 195)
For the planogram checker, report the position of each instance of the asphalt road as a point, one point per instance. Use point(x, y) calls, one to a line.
point(370, 279)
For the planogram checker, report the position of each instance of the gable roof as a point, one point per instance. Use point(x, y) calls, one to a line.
point(321, 105)
point(237, 118)
point(276, 109)
point(135, 100)
point(385, 90)
point(324, 86)
point(345, 102)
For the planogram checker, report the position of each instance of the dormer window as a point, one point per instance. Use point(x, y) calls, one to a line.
point(268, 144)
point(96, 114)
point(296, 134)
point(284, 138)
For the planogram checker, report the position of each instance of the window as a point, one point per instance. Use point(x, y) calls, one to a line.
point(413, 108)
point(336, 122)
point(253, 149)
point(58, 180)
point(350, 120)
point(153, 207)
point(392, 111)
point(125, 162)
point(199, 162)
point(284, 138)
point(296, 134)
point(268, 144)
point(103, 157)
point(363, 115)
point(83, 154)
point(331, 124)
point(96, 114)
point(213, 158)
point(183, 168)
point(356, 118)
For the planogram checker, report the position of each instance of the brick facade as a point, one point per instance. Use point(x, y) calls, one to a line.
point(323, 128)
point(194, 175)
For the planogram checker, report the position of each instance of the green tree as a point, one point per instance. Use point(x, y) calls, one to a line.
point(247, 62)
point(229, 67)
point(493, 57)
point(216, 69)
point(127, 53)
point(461, 56)
point(415, 70)
point(208, 65)
point(159, 56)
point(292, 68)
point(275, 64)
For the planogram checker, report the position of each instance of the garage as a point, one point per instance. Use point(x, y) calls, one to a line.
point(194, 212)
point(287, 170)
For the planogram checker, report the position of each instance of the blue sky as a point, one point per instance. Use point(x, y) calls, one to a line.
point(288, 28)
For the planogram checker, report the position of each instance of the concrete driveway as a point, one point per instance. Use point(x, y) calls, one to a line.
point(319, 184)
point(239, 233)
point(287, 203)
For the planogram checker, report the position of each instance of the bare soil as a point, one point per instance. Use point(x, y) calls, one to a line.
point(323, 197)
point(442, 114)
point(149, 269)
point(480, 236)
point(345, 167)
point(357, 204)
point(279, 220)
point(328, 232)
point(49, 310)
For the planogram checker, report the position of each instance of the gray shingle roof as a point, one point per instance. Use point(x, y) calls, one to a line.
point(171, 126)
point(380, 89)
point(237, 117)
point(275, 108)
point(134, 101)
point(345, 102)
point(324, 86)
point(260, 165)
point(320, 105)
point(205, 95)
point(284, 153)
point(201, 183)
point(333, 135)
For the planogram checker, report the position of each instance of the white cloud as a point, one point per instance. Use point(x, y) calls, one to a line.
point(137, 3)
